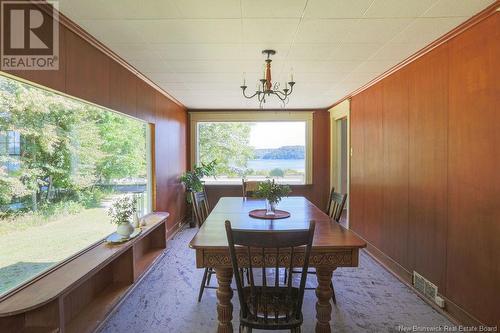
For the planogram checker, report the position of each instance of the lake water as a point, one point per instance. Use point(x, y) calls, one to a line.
point(298, 165)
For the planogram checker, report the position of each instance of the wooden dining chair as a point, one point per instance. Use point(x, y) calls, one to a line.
point(336, 203)
point(201, 210)
point(201, 207)
point(249, 187)
point(270, 306)
point(329, 203)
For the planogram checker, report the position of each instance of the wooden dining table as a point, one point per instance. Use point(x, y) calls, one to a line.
point(333, 246)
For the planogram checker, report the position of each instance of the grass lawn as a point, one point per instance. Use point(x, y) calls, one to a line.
point(29, 251)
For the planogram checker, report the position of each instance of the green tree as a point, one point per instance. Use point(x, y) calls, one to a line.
point(123, 145)
point(67, 146)
point(228, 144)
point(277, 172)
point(46, 123)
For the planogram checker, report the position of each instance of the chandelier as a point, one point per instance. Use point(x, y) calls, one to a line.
point(266, 87)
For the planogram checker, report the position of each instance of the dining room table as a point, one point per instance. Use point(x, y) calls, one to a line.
point(333, 246)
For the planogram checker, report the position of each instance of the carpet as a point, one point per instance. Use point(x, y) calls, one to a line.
point(369, 299)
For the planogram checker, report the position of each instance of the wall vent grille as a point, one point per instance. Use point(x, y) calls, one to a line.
point(427, 288)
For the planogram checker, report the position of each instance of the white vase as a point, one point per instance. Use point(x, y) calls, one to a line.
point(125, 229)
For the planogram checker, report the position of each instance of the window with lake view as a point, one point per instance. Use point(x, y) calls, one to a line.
point(254, 150)
point(62, 163)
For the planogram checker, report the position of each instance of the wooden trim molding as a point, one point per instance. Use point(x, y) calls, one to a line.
point(482, 15)
point(80, 32)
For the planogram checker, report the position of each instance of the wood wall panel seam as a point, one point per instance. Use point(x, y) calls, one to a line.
point(453, 234)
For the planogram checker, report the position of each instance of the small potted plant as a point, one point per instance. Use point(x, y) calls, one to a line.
point(273, 193)
point(121, 212)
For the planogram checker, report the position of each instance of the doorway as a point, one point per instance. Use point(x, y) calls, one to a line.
point(340, 148)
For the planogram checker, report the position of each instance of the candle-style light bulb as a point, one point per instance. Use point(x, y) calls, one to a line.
point(244, 79)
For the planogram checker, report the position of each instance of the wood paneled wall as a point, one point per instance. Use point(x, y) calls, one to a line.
point(425, 180)
point(87, 73)
point(317, 192)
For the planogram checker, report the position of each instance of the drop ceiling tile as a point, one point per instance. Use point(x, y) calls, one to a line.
point(275, 9)
point(357, 77)
point(377, 30)
point(426, 30)
point(191, 31)
point(174, 86)
point(355, 51)
point(318, 77)
point(127, 9)
point(151, 66)
point(253, 51)
point(221, 86)
point(325, 66)
point(113, 31)
point(397, 51)
point(199, 51)
point(211, 77)
point(398, 8)
point(163, 78)
point(448, 8)
point(375, 66)
point(312, 51)
point(269, 30)
point(337, 8)
point(137, 51)
point(209, 66)
point(208, 9)
point(325, 30)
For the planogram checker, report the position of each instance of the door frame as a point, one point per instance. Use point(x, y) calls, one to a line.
point(338, 112)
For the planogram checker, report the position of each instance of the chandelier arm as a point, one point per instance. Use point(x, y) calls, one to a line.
point(280, 93)
point(249, 97)
point(279, 96)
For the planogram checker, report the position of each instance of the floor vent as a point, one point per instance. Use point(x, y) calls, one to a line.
point(427, 288)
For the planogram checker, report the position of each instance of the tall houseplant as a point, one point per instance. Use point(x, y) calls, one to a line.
point(192, 179)
point(273, 193)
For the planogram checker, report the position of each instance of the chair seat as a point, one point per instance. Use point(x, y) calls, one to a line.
point(277, 303)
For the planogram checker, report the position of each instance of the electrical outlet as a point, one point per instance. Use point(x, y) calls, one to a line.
point(439, 301)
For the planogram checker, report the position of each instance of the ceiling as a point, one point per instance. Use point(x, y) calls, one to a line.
point(198, 50)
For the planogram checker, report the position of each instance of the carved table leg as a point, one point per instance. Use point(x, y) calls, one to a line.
point(324, 294)
point(224, 295)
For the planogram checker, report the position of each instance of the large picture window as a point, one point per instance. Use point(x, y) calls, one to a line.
point(254, 146)
point(62, 162)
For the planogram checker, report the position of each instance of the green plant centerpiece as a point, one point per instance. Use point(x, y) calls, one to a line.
point(273, 193)
point(121, 212)
point(192, 179)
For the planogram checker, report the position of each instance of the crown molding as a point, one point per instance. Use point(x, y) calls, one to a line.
point(82, 33)
point(482, 15)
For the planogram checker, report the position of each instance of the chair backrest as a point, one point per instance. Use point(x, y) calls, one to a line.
point(336, 205)
point(249, 187)
point(200, 205)
point(329, 203)
point(277, 248)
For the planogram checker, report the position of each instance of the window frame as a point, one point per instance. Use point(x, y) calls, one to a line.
point(150, 187)
point(254, 116)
